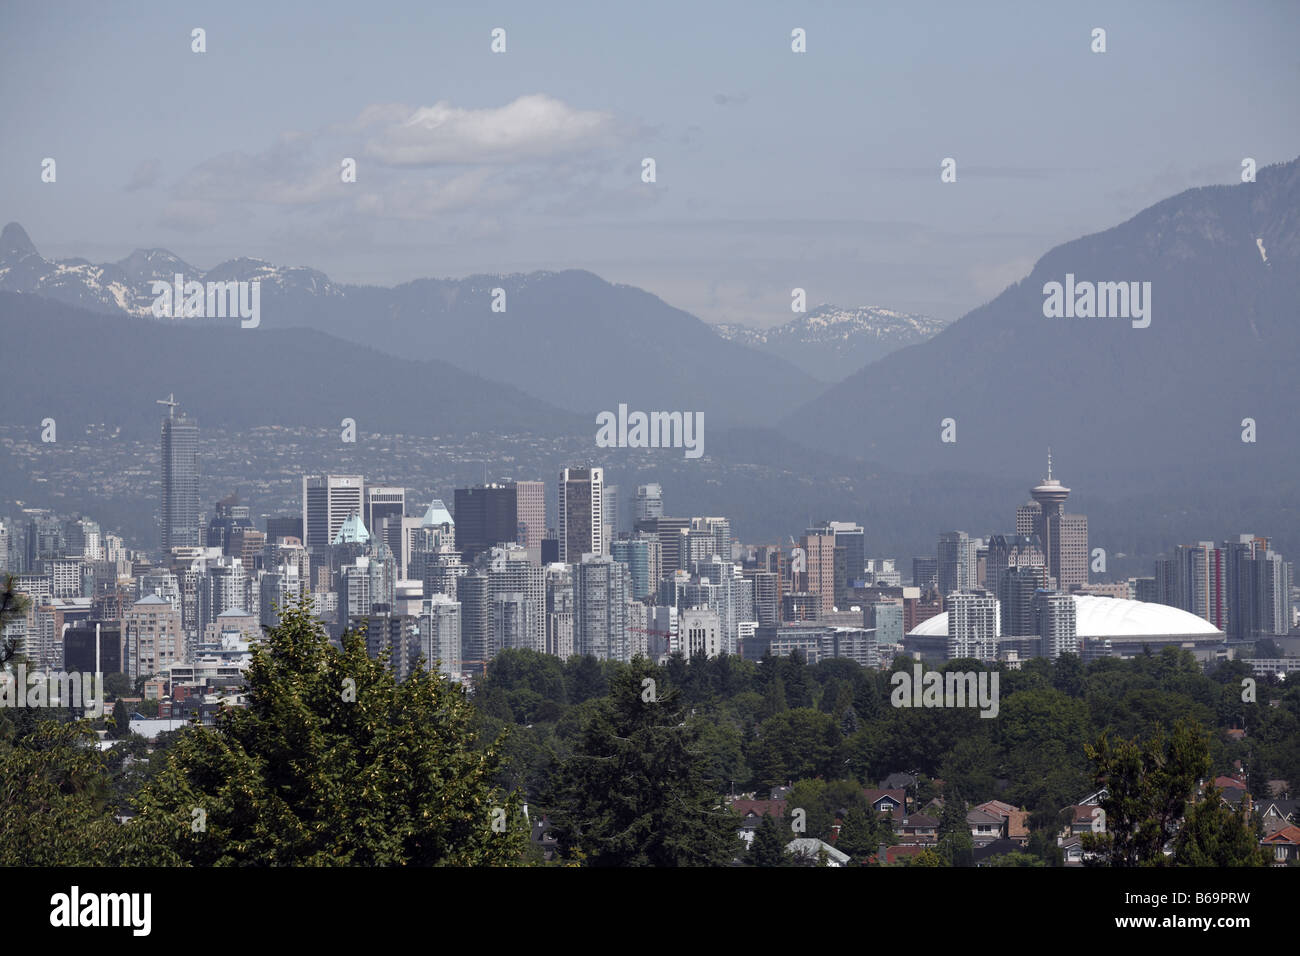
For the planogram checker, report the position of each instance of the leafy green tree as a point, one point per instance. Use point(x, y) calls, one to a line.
point(769, 843)
point(927, 857)
point(121, 721)
point(584, 678)
point(955, 844)
point(55, 800)
point(862, 832)
point(13, 605)
point(1042, 844)
point(1214, 834)
point(117, 684)
point(794, 744)
point(807, 802)
point(1068, 675)
point(1015, 858)
point(333, 762)
point(1149, 785)
point(634, 792)
point(774, 699)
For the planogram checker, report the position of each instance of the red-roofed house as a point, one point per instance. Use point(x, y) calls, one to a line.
point(1284, 844)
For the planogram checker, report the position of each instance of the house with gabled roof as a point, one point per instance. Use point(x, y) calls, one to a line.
point(984, 827)
point(917, 828)
point(1284, 844)
point(1284, 810)
point(891, 802)
point(1015, 820)
point(808, 850)
point(751, 815)
point(898, 781)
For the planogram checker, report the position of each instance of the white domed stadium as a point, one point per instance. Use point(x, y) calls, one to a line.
point(1126, 625)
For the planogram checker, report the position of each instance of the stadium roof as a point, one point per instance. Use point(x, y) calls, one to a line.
point(1110, 617)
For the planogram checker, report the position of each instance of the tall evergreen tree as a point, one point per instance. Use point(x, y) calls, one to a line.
point(634, 792)
point(860, 836)
point(768, 846)
point(121, 721)
point(955, 844)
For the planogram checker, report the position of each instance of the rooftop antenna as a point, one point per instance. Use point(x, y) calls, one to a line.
point(1049, 462)
point(170, 402)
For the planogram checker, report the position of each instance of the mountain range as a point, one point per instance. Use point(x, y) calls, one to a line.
point(1128, 408)
point(569, 338)
point(830, 342)
point(1154, 416)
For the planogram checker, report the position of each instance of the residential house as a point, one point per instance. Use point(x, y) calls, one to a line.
point(887, 801)
point(984, 827)
point(1284, 844)
point(751, 815)
point(898, 781)
point(917, 829)
point(1016, 821)
point(808, 850)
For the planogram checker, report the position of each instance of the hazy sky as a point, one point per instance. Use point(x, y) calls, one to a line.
point(775, 169)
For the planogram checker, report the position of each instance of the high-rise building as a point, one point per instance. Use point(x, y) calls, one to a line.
point(1257, 582)
point(1013, 551)
point(530, 510)
point(953, 568)
point(1064, 538)
point(559, 610)
point(384, 510)
point(222, 586)
point(486, 516)
point(973, 627)
point(767, 597)
point(521, 585)
point(283, 526)
point(328, 501)
point(88, 643)
point(1056, 623)
point(850, 558)
point(887, 620)
point(640, 554)
point(609, 520)
point(601, 590)
point(439, 629)
point(1166, 582)
point(180, 480)
point(700, 632)
point(649, 502)
point(581, 513)
point(1018, 587)
point(819, 577)
point(227, 516)
point(1202, 582)
point(474, 594)
point(152, 637)
point(674, 552)
point(925, 573)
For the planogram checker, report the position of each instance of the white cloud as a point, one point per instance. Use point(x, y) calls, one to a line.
point(531, 127)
